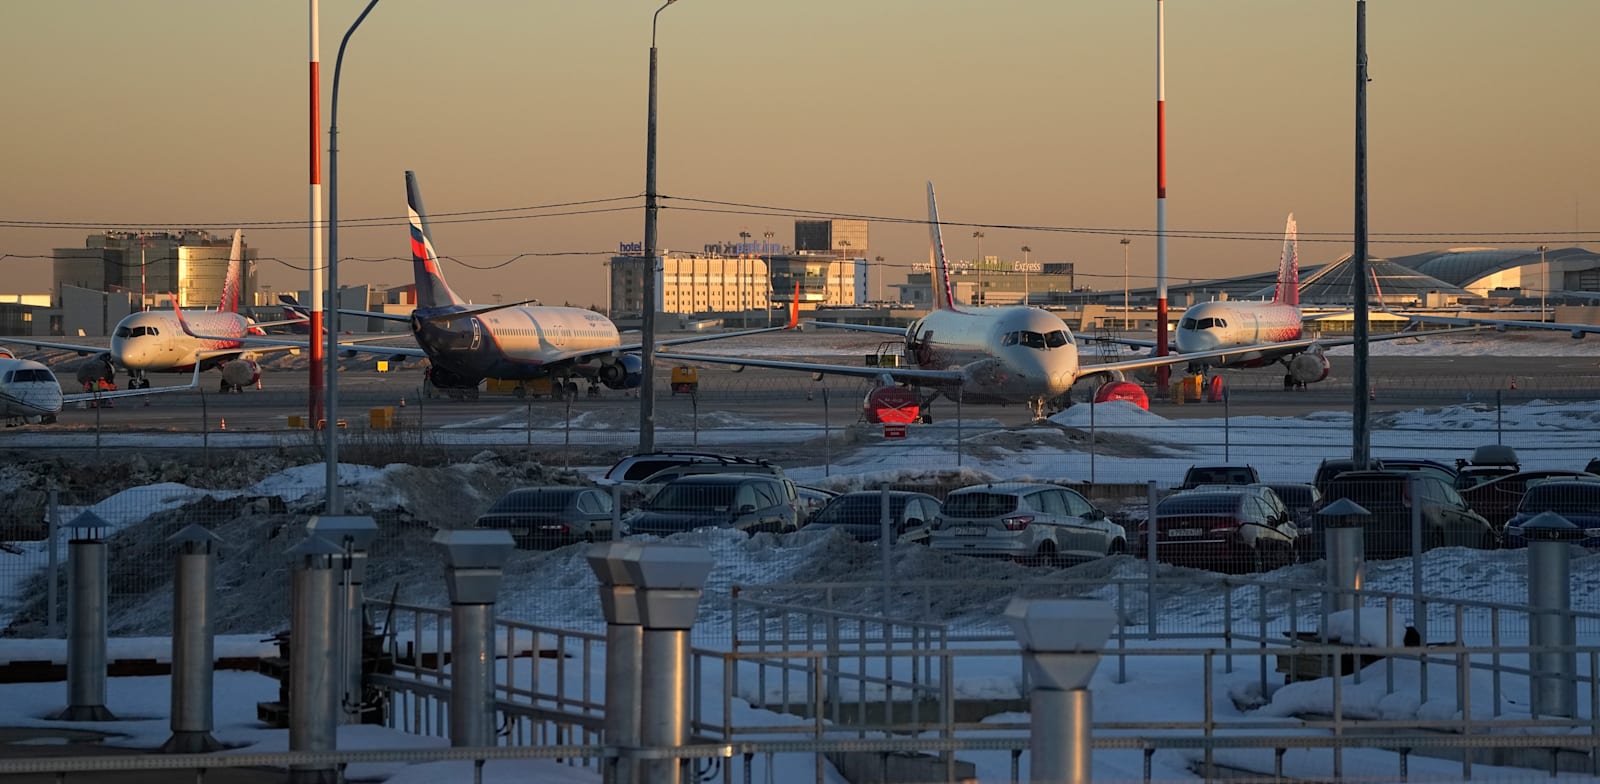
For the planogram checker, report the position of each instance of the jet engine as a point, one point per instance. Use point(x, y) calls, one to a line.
point(624, 372)
point(1309, 368)
point(240, 373)
point(95, 368)
point(444, 379)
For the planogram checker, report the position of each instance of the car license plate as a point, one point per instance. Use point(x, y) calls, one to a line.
point(1185, 533)
point(970, 530)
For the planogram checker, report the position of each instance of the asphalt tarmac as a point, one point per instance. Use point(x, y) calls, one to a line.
point(1397, 383)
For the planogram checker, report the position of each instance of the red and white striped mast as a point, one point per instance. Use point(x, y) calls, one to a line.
point(1163, 372)
point(317, 288)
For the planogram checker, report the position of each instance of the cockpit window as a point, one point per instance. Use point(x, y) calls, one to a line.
point(1010, 339)
point(26, 375)
point(1187, 323)
point(1057, 339)
point(1033, 340)
point(1211, 323)
point(123, 332)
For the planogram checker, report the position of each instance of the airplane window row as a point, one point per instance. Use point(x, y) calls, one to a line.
point(134, 332)
point(1042, 341)
point(28, 374)
point(1205, 323)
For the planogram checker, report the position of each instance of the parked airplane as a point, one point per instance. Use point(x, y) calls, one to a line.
point(156, 342)
point(1015, 354)
point(516, 341)
point(1245, 326)
point(30, 392)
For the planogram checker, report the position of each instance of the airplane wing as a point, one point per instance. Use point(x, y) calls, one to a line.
point(265, 345)
point(905, 375)
point(84, 397)
point(75, 347)
point(1235, 353)
point(878, 330)
point(1578, 331)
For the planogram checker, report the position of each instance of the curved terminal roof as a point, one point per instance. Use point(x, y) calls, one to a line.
point(1465, 266)
point(1330, 284)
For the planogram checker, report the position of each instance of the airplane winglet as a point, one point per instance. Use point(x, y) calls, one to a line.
point(794, 308)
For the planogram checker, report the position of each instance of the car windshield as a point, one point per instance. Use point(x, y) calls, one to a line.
point(1562, 499)
point(680, 497)
point(857, 509)
point(979, 504)
point(1198, 503)
point(533, 501)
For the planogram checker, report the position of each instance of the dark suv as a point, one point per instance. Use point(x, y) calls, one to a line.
point(746, 502)
point(1219, 475)
point(636, 468)
point(1446, 517)
point(1332, 468)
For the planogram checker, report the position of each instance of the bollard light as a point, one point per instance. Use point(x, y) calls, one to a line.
point(1061, 640)
point(354, 534)
point(314, 683)
point(475, 559)
point(669, 580)
point(1551, 624)
point(1344, 523)
point(86, 619)
point(619, 601)
point(193, 641)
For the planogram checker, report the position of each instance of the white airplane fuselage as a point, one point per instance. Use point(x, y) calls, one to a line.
point(1008, 355)
point(154, 341)
point(1210, 326)
point(28, 389)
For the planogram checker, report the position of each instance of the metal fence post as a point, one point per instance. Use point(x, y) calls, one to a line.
point(1550, 538)
point(353, 534)
point(314, 682)
point(619, 600)
point(1061, 640)
point(52, 600)
point(1346, 540)
point(669, 579)
point(474, 564)
point(86, 621)
point(1152, 499)
point(193, 642)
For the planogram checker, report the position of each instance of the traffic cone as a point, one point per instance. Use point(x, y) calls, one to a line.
point(402, 401)
point(222, 424)
point(1513, 383)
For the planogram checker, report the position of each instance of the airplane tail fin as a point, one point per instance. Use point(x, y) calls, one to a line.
point(231, 284)
point(1288, 291)
point(432, 291)
point(295, 312)
point(943, 296)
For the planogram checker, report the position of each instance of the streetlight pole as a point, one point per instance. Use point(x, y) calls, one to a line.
point(647, 389)
point(980, 297)
point(766, 261)
point(846, 245)
point(744, 239)
point(331, 404)
point(879, 263)
point(1025, 251)
point(1125, 243)
point(1544, 278)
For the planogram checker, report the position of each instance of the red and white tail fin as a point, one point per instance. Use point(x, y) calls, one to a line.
point(1288, 291)
point(231, 284)
point(943, 295)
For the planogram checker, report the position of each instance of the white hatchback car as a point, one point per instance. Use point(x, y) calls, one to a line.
point(1037, 524)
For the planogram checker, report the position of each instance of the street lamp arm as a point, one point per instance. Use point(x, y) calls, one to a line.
point(653, 19)
point(338, 62)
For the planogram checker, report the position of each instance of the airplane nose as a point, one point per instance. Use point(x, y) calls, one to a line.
point(1191, 341)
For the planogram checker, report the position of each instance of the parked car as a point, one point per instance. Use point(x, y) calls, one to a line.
point(812, 499)
point(1242, 528)
point(1219, 475)
point(860, 514)
point(1302, 501)
point(746, 502)
point(1577, 500)
point(635, 468)
point(1498, 499)
point(733, 466)
point(1038, 524)
point(1387, 495)
point(1328, 469)
point(543, 517)
point(1434, 467)
point(1487, 462)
